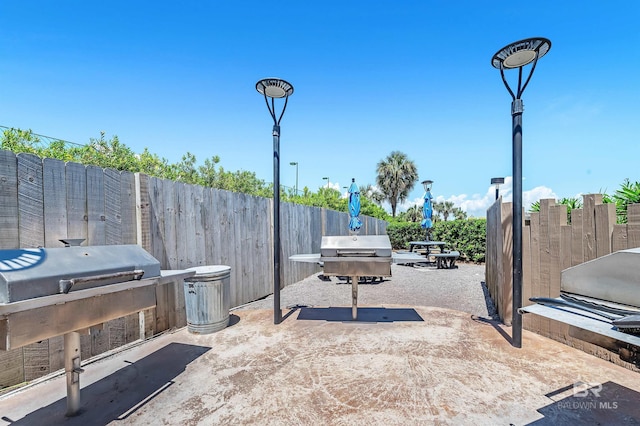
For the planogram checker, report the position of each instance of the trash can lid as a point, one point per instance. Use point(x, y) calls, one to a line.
point(209, 272)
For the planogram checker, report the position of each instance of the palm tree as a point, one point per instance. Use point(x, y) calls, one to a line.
point(438, 208)
point(372, 193)
point(414, 214)
point(447, 209)
point(629, 193)
point(396, 177)
point(459, 214)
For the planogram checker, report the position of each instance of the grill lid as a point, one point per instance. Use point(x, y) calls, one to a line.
point(356, 246)
point(44, 272)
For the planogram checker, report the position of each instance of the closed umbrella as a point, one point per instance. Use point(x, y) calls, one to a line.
point(427, 212)
point(354, 208)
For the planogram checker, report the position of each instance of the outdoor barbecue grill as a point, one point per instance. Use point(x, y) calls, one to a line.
point(64, 291)
point(356, 256)
point(600, 300)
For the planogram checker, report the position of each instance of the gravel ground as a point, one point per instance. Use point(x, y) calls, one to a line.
point(462, 289)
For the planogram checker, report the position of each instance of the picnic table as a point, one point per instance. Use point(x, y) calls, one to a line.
point(429, 246)
point(445, 259)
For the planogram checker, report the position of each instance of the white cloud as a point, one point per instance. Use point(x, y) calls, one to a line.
point(476, 205)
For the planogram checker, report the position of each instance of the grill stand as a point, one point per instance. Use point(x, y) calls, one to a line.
point(72, 370)
point(72, 313)
point(354, 297)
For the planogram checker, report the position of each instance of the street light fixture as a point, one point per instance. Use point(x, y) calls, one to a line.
point(295, 163)
point(497, 181)
point(275, 88)
point(427, 184)
point(517, 55)
point(327, 179)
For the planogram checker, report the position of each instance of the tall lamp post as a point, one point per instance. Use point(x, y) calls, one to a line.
point(497, 182)
point(295, 163)
point(327, 179)
point(275, 88)
point(516, 56)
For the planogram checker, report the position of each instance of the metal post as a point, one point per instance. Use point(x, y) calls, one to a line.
point(272, 88)
point(496, 192)
point(516, 56)
point(73, 370)
point(277, 313)
point(516, 113)
point(354, 297)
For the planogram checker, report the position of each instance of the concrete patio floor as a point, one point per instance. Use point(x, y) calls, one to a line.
point(396, 365)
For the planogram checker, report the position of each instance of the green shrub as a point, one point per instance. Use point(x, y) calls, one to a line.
point(468, 236)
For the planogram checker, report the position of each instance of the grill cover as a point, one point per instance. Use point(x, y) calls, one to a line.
point(50, 266)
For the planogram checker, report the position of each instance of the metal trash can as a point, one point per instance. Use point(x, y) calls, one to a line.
point(207, 298)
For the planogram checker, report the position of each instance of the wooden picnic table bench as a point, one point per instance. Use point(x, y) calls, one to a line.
point(429, 246)
point(446, 260)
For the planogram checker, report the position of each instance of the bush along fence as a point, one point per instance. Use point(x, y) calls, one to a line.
point(468, 236)
point(550, 245)
point(45, 200)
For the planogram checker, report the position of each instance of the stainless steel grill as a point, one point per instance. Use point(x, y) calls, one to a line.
point(600, 300)
point(65, 291)
point(356, 256)
point(353, 256)
point(367, 255)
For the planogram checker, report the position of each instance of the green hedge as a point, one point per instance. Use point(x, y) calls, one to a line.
point(468, 236)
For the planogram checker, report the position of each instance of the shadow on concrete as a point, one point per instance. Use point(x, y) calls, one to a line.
point(488, 301)
point(362, 280)
point(593, 404)
point(364, 314)
point(496, 324)
point(233, 320)
point(119, 395)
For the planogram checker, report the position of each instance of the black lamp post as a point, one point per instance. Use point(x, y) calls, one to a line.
point(497, 182)
point(275, 88)
point(295, 163)
point(517, 55)
point(327, 179)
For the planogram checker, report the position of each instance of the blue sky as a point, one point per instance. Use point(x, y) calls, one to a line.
point(370, 77)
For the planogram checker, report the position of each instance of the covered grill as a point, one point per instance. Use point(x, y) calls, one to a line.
point(600, 301)
point(64, 291)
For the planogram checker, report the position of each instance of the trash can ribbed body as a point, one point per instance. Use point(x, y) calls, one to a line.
point(207, 299)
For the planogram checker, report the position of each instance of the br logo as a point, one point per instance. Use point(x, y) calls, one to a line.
point(582, 389)
point(16, 260)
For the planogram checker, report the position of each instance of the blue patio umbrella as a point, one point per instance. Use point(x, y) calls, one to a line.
point(354, 208)
point(427, 212)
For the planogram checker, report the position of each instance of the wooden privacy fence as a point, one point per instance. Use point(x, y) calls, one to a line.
point(45, 200)
point(551, 245)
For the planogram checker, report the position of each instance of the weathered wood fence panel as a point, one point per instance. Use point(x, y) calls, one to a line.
point(493, 254)
point(47, 201)
point(550, 245)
